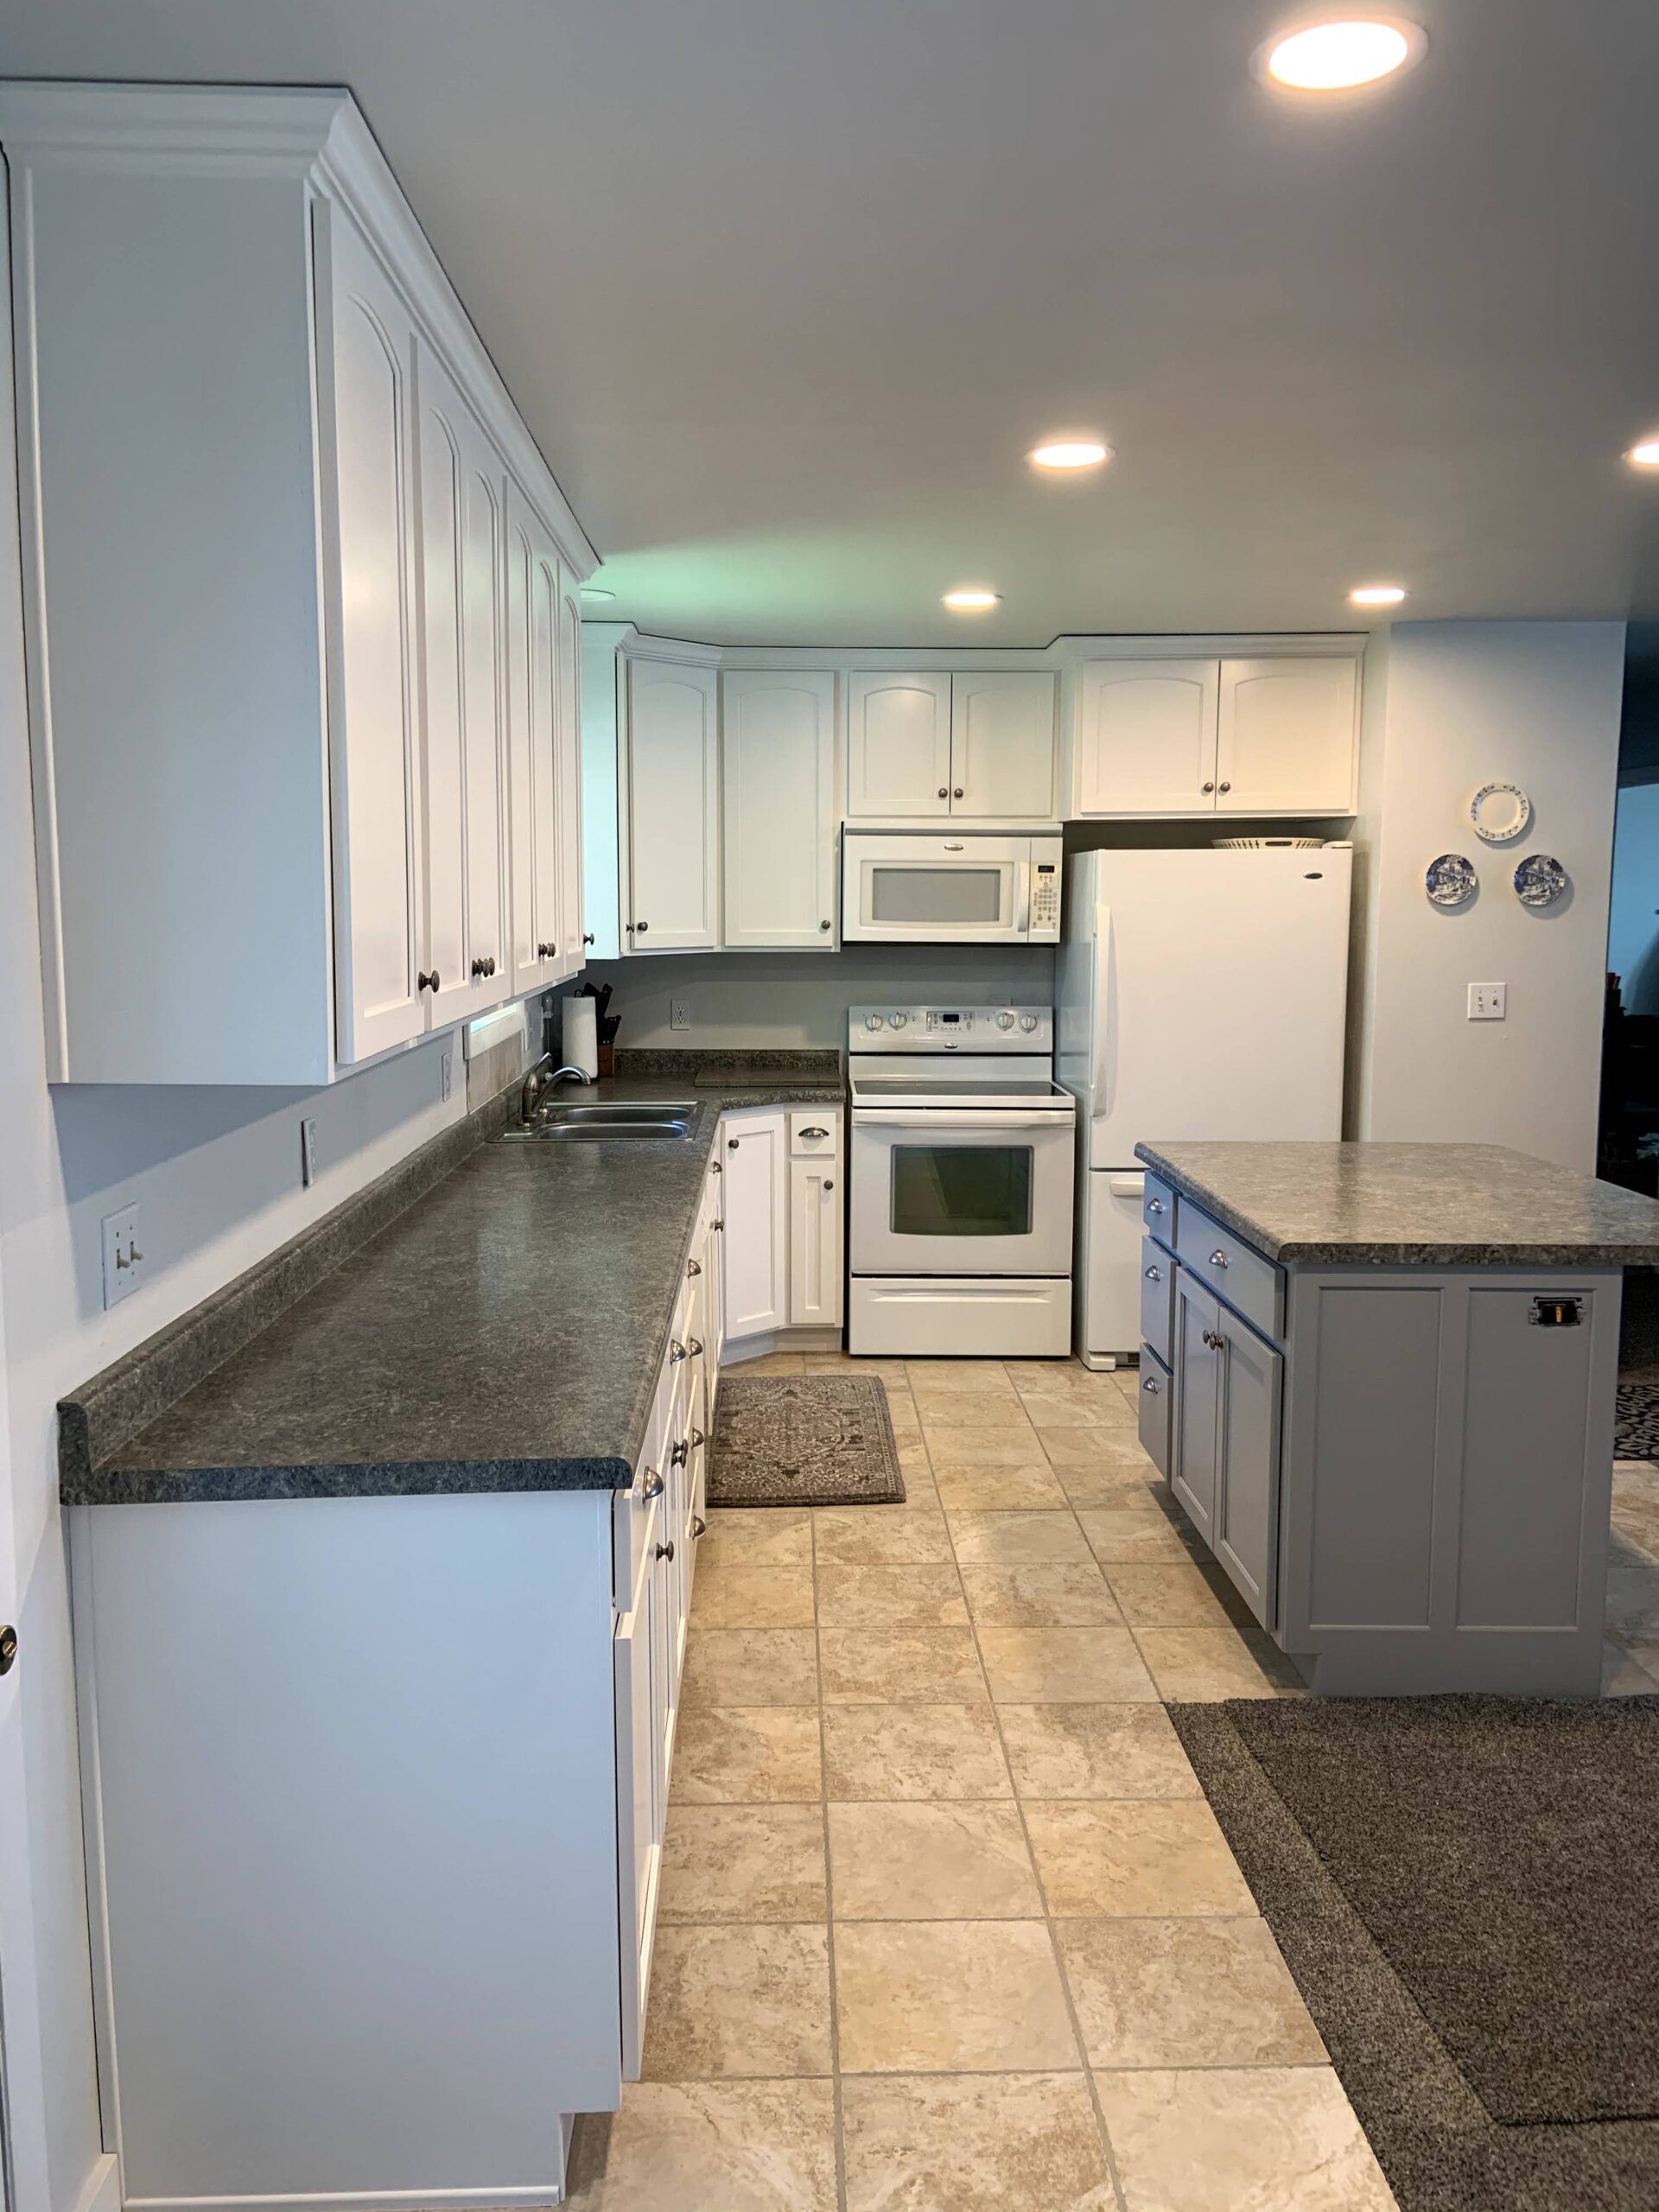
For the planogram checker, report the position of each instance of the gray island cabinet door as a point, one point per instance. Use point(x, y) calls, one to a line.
point(1195, 1362)
point(1245, 1532)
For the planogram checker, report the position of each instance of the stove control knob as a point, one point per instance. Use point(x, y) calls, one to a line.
point(897, 1021)
point(1004, 1021)
point(872, 1022)
point(1027, 1022)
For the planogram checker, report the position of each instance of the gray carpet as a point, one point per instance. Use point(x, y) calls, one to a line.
point(813, 1439)
point(1464, 1890)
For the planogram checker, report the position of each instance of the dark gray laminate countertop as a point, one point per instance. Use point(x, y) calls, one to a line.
point(1462, 1205)
point(503, 1332)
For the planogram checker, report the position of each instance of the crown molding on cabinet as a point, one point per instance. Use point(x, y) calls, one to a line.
point(318, 134)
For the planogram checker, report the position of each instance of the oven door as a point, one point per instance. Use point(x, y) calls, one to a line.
point(907, 889)
point(949, 1191)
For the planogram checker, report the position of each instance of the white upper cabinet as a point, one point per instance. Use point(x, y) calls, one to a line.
point(1002, 746)
point(1285, 735)
point(567, 657)
point(1270, 736)
point(975, 747)
point(671, 891)
point(461, 660)
point(377, 798)
point(778, 808)
point(1146, 740)
point(267, 738)
point(898, 745)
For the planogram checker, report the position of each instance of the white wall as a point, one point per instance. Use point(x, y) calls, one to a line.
point(1535, 703)
point(1633, 922)
point(216, 1174)
point(797, 999)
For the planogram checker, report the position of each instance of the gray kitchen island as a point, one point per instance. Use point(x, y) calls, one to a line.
point(1379, 1379)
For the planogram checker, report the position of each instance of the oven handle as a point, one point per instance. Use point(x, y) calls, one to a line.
point(947, 1118)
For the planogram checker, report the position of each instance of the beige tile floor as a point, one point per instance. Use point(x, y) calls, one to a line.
point(946, 1924)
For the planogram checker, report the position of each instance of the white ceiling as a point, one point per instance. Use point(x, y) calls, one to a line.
point(785, 288)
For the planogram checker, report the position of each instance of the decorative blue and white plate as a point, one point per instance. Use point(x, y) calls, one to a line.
point(1500, 812)
point(1450, 881)
point(1540, 880)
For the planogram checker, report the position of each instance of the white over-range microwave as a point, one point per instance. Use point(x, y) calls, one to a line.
point(912, 886)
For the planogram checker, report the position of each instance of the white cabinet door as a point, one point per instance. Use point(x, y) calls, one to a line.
point(638, 1691)
point(483, 650)
point(898, 745)
point(778, 746)
point(537, 921)
point(815, 1218)
point(1146, 737)
point(1286, 739)
point(569, 656)
point(373, 740)
point(754, 1151)
point(1002, 746)
point(672, 895)
point(439, 466)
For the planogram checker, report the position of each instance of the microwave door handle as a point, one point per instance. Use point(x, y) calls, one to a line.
point(1022, 899)
point(1102, 1007)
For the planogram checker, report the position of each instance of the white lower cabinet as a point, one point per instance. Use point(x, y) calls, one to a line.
point(784, 1209)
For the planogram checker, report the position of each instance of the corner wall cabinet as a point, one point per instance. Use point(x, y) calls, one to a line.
point(305, 737)
point(778, 808)
point(782, 1206)
point(1270, 735)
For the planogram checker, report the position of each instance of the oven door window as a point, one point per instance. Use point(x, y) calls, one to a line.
point(901, 892)
point(962, 1190)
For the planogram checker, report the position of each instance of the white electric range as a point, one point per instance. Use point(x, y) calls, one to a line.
point(964, 1156)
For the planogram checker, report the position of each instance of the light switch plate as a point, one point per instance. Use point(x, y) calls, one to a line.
point(1488, 1001)
point(123, 1262)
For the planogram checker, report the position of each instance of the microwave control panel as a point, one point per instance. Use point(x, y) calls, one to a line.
point(1045, 899)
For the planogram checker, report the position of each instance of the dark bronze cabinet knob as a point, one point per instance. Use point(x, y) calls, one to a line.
point(587, 936)
point(642, 927)
point(666, 1551)
point(826, 925)
point(958, 793)
point(944, 790)
point(427, 982)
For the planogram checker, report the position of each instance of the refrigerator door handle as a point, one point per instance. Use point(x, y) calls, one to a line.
point(1102, 1005)
point(1127, 1187)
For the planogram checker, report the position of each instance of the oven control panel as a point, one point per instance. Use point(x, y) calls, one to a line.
point(951, 1028)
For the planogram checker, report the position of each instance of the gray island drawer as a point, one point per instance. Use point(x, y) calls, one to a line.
point(1158, 1210)
point(1234, 1270)
point(1156, 1397)
point(1157, 1296)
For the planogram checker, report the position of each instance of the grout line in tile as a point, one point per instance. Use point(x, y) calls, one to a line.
point(828, 1893)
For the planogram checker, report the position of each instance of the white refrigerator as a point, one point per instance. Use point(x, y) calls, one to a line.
point(1200, 994)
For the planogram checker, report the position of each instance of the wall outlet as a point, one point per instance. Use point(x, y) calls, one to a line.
point(446, 1070)
point(679, 1013)
point(308, 1152)
point(123, 1262)
point(1488, 1001)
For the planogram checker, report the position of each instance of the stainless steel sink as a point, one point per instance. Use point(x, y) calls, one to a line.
point(566, 1123)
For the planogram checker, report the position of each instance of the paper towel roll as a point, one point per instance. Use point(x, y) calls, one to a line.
point(582, 1036)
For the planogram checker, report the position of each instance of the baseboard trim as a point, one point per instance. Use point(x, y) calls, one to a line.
point(734, 1352)
point(531, 2197)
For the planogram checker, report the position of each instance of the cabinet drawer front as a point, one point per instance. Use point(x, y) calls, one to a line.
point(1158, 1211)
point(1226, 1265)
point(1155, 1406)
point(635, 1516)
point(813, 1131)
point(1157, 1297)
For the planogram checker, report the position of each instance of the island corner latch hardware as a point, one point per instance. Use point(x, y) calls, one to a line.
point(1556, 1312)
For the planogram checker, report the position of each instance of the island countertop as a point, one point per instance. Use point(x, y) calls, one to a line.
point(502, 1333)
point(1459, 1205)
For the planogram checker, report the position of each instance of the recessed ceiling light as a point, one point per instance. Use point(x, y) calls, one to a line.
point(971, 600)
point(1335, 57)
point(1378, 595)
point(1645, 455)
point(596, 591)
point(1069, 453)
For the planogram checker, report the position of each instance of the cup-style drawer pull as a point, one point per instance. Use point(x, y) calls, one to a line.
point(1219, 1259)
point(694, 1347)
point(1154, 1205)
point(694, 1266)
point(1152, 1383)
point(699, 1526)
point(653, 1487)
point(698, 1440)
point(677, 1352)
point(815, 1132)
point(1153, 1275)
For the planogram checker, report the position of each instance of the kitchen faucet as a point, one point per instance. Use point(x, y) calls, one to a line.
point(540, 1078)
